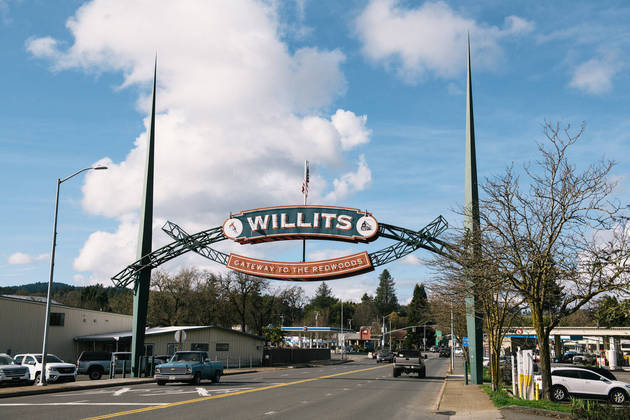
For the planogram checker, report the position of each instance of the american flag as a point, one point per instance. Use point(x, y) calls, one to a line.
point(305, 181)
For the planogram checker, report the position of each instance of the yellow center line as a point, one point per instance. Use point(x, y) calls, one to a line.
point(213, 397)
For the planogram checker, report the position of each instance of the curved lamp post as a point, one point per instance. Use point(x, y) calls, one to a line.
point(42, 380)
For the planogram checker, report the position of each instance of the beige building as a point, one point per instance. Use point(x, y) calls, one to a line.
point(234, 348)
point(22, 326)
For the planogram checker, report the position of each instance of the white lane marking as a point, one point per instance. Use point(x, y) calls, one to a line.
point(268, 413)
point(329, 395)
point(77, 403)
point(202, 392)
point(121, 391)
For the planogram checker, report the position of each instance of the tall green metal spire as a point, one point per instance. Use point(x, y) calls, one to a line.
point(471, 225)
point(143, 279)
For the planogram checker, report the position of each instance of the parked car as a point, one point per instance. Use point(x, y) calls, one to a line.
point(582, 382)
point(445, 352)
point(566, 357)
point(12, 373)
point(56, 369)
point(189, 366)
point(383, 356)
point(584, 358)
point(434, 349)
point(95, 364)
point(458, 352)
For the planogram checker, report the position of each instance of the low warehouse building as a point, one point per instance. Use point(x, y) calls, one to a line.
point(234, 348)
point(22, 326)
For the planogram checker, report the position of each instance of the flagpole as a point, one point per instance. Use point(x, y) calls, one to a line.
point(305, 192)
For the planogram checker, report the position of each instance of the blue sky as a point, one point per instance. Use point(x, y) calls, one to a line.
point(371, 92)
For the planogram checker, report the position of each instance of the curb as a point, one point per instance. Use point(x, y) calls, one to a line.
point(537, 411)
point(438, 400)
point(52, 390)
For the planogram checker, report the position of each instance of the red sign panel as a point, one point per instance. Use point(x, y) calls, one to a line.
point(365, 334)
point(347, 266)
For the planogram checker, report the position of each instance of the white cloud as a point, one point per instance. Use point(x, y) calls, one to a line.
point(351, 128)
point(351, 181)
point(595, 76)
point(411, 259)
point(430, 39)
point(20, 258)
point(42, 47)
point(238, 114)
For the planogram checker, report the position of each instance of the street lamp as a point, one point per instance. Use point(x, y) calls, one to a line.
point(390, 329)
point(42, 380)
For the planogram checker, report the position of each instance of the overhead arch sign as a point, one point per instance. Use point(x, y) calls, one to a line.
point(294, 222)
point(301, 222)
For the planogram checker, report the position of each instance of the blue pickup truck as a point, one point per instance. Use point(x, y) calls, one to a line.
point(189, 366)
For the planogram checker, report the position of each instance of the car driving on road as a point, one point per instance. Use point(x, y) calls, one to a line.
point(189, 366)
point(409, 361)
point(383, 356)
point(582, 382)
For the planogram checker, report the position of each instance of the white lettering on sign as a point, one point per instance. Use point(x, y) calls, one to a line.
point(283, 222)
point(328, 217)
point(300, 221)
point(258, 222)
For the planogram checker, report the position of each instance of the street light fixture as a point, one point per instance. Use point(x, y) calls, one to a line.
point(42, 380)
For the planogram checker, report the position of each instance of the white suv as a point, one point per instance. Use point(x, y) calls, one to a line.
point(56, 369)
point(585, 382)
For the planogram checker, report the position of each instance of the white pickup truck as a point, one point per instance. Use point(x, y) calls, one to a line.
point(56, 369)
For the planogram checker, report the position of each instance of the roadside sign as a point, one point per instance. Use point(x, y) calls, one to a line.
point(180, 336)
point(465, 341)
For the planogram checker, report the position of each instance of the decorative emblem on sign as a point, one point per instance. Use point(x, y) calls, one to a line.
point(301, 222)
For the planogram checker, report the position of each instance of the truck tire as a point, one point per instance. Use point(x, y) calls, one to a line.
point(196, 380)
point(396, 373)
point(217, 377)
point(95, 373)
point(161, 383)
point(422, 373)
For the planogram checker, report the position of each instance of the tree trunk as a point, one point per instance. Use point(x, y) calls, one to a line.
point(543, 344)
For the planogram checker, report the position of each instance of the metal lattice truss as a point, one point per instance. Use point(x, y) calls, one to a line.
point(407, 241)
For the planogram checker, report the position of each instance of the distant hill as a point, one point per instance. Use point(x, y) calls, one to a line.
point(36, 289)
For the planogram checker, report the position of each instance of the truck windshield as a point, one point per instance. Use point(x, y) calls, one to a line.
point(408, 353)
point(186, 357)
point(49, 359)
point(6, 361)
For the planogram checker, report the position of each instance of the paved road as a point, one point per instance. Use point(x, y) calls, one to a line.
point(361, 389)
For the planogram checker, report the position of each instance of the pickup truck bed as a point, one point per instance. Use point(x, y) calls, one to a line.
point(409, 361)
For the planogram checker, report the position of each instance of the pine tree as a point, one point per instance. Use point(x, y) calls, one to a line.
point(323, 297)
point(385, 299)
point(417, 315)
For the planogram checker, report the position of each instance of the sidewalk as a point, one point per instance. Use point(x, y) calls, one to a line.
point(461, 401)
point(18, 391)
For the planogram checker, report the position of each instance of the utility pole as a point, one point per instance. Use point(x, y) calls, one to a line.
point(383, 337)
point(390, 333)
point(342, 338)
point(452, 341)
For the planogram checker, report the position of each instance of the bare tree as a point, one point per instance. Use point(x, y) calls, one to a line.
point(557, 238)
point(499, 301)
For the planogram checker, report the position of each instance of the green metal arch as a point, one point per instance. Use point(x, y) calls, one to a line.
point(407, 241)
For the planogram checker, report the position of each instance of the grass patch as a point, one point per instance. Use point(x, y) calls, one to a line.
point(501, 398)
